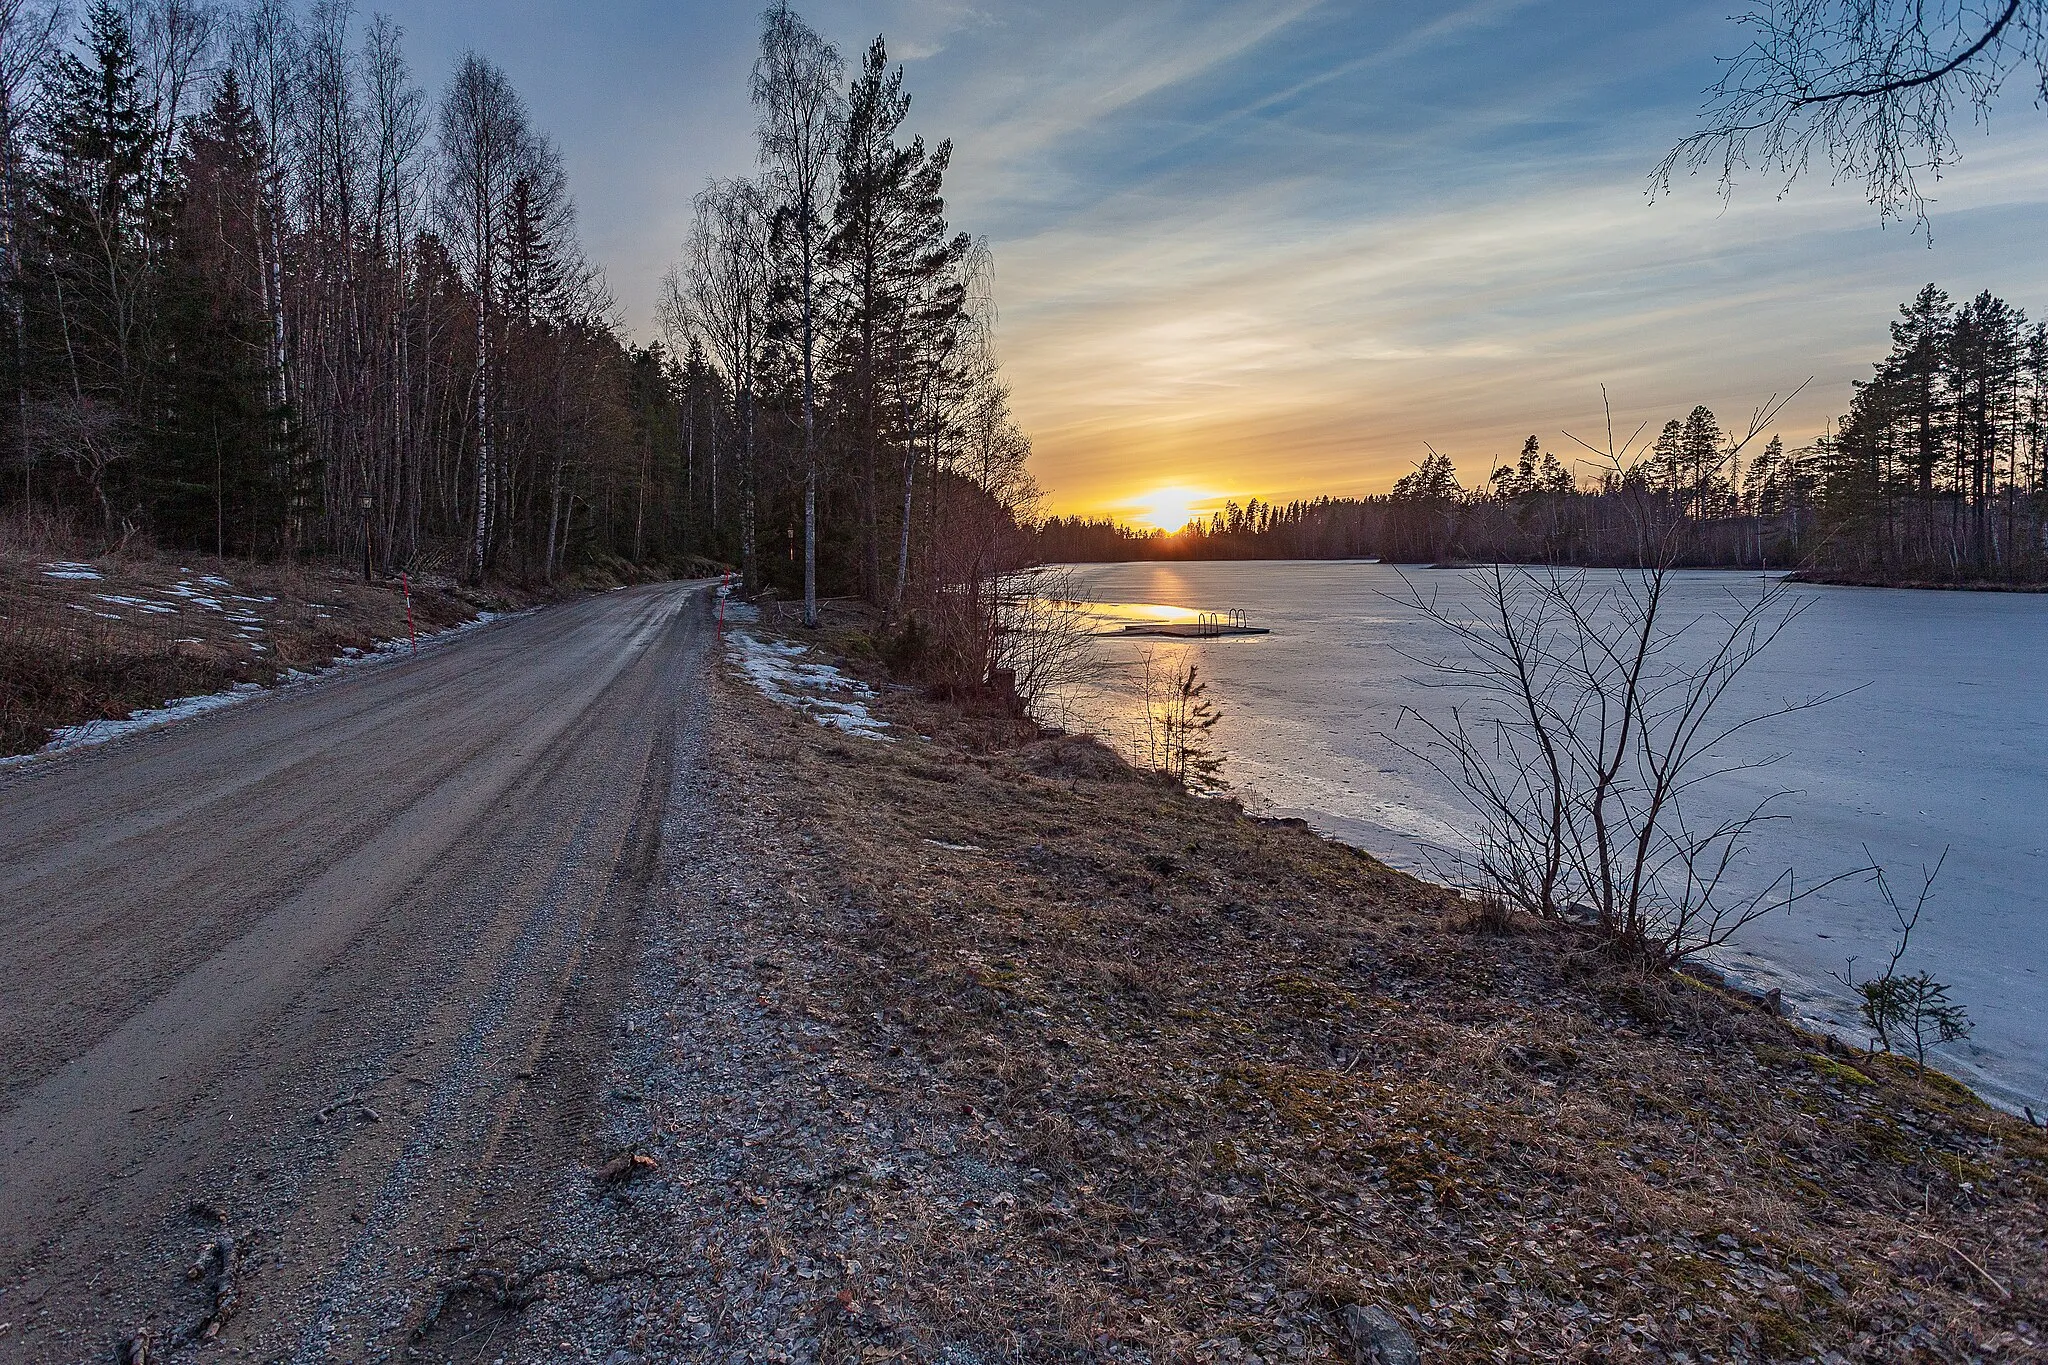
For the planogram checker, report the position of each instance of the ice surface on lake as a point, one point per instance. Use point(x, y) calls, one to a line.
point(1942, 743)
point(775, 667)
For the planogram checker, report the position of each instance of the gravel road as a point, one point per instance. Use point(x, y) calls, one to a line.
point(305, 998)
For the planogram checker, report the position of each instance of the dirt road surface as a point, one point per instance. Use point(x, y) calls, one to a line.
point(302, 997)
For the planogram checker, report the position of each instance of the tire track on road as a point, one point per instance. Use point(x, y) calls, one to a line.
point(441, 929)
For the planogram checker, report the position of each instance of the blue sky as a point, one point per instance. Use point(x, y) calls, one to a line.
point(1274, 248)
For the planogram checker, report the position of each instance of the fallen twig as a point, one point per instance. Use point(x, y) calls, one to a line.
point(627, 1167)
point(1960, 1255)
point(354, 1100)
point(216, 1267)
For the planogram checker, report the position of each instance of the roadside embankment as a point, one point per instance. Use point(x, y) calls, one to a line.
point(1048, 1060)
point(93, 640)
point(88, 642)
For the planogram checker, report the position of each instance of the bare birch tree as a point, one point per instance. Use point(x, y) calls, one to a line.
point(1600, 718)
point(264, 49)
point(797, 96)
point(398, 131)
point(483, 139)
point(719, 297)
point(1602, 725)
point(175, 40)
point(1872, 87)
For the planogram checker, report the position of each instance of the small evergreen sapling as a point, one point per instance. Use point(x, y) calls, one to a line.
point(1190, 716)
point(1907, 1012)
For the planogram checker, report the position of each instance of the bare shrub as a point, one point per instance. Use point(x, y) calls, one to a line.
point(91, 437)
point(1600, 724)
point(1177, 719)
point(37, 530)
point(1077, 757)
point(1043, 637)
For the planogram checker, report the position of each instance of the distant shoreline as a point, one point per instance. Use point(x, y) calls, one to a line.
point(1845, 580)
point(1816, 577)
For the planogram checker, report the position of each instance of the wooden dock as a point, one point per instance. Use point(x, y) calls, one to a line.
point(1211, 625)
point(1188, 630)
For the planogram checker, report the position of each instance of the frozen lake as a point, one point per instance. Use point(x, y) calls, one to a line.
point(1942, 744)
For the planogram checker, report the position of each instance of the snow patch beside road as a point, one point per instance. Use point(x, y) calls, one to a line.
point(105, 731)
point(773, 667)
point(731, 612)
point(97, 732)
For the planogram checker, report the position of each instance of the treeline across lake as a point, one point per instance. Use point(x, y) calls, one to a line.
point(1938, 473)
point(265, 294)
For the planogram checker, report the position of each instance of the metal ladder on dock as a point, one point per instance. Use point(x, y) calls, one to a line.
point(1213, 623)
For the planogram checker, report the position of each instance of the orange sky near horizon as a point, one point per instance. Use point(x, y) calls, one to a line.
point(1236, 352)
point(1279, 248)
point(1332, 367)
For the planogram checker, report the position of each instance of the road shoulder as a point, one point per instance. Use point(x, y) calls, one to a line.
point(985, 1045)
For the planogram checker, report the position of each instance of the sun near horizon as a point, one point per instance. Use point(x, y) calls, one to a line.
point(1166, 509)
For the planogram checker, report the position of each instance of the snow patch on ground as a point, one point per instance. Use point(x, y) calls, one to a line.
point(735, 613)
point(140, 604)
point(106, 731)
point(78, 573)
point(775, 668)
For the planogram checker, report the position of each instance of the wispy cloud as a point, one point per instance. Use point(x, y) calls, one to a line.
point(1250, 285)
point(1275, 247)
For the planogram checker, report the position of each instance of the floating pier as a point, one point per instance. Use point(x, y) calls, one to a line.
point(1210, 625)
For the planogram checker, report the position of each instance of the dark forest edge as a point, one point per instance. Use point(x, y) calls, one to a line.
point(1936, 477)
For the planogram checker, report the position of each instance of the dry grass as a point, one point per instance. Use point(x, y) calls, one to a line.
point(150, 628)
point(1225, 1075)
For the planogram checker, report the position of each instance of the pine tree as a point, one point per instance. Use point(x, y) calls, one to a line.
point(862, 256)
point(1706, 486)
point(1763, 493)
point(1915, 372)
point(1985, 363)
point(796, 91)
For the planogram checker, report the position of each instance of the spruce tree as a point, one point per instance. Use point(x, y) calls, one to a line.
point(91, 299)
point(218, 477)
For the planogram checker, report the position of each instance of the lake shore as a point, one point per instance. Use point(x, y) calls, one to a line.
point(1115, 1070)
point(1831, 578)
point(1917, 755)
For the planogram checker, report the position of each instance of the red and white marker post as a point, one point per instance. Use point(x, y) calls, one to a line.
point(405, 581)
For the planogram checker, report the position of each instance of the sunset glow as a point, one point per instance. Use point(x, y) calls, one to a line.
point(1258, 249)
point(1169, 509)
